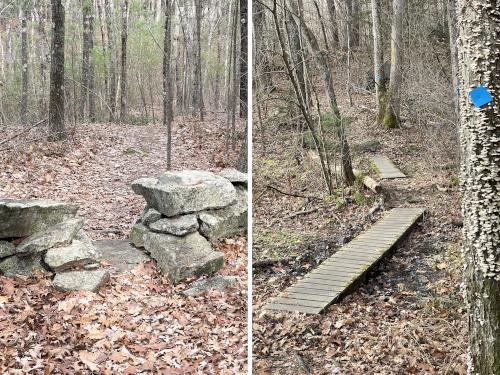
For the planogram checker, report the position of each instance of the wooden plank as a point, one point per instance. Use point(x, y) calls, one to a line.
point(386, 168)
point(344, 270)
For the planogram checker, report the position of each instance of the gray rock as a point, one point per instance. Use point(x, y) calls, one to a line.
point(57, 235)
point(77, 254)
point(234, 176)
point(213, 283)
point(183, 257)
point(120, 255)
point(90, 280)
point(228, 221)
point(16, 265)
point(137, 234)
point(6, 249)
point(21, 218)
point(179, 225)
point(150, 216)
point(177, 193)
point(371, 145)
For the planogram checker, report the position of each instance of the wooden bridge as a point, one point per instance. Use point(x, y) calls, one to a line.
point(344, 270)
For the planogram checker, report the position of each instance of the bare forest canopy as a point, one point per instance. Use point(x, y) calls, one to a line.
point(114, 59)
point(335, 51)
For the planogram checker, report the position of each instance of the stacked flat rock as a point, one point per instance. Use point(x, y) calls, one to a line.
point(184, 210)
point(47, 236)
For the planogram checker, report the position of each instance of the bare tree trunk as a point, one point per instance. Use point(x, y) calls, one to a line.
point(198, 81)
point(323, 30)
point(103, 43)
point(243, 58)
point(324, 67)
point(24, 64)
point(378, 58)
point(452, 28)
point(479, 64)
point(86, 50)
point(123, 81)
point(167, 81)
point(332, 12)
point(112, 62)
point(57, 130)
point(392, 115)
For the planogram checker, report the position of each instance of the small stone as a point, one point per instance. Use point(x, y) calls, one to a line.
point(21, 218)
point(234, 176)
point(213, 283)
point(150, 216)
point(57, 235)
point(179, 225)
point(184, 192)
point(25, 266)
point(183, 257)
point(137, 234)
point(80, 280)
point(77, 254)
point(6, 249)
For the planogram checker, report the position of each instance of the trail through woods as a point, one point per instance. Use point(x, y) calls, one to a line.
point(409, 316)
point(139, 323)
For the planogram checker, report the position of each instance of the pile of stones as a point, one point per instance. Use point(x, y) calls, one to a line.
point(184, 211)
point(47, 236)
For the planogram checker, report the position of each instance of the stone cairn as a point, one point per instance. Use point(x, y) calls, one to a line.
point(47, 236)
point(184, 211)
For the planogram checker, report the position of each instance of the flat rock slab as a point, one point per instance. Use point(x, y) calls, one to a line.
point(80, 280)
point(213, 283)
point(234, 175)
point(23, 266)
point(21, 218)
point(344, 270)
point(386, 168)
point(178, 226)
point(78, 253)
point(57, 235)
point(184, 192)
point(120, 254)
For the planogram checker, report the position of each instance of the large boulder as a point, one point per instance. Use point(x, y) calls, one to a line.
point(228, 221)
point(25, 266)
point(234, 176)
point(137, 234)
point(57, 235)
point(90, 280)
point(183, 192)
point(79, 253)
point(179, 225)
point(21, 218)
point(183, 257)
point(6, 249)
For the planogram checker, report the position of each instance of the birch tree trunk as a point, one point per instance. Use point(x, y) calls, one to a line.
point(479, 64)
point(243, 57)
point(392, 115)
point(57, 130)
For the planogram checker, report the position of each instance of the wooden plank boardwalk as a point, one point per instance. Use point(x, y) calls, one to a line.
point(344, 270)
point(386, 168)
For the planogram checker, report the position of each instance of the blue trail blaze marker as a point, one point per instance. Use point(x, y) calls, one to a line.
point(480, 96)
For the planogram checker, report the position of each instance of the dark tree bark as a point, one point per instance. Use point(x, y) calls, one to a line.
point(57, 130)
point(167, 81)
point(479, 64)
point(243, 58)
point(24, 64)
point(198, 81)
point(123, 81)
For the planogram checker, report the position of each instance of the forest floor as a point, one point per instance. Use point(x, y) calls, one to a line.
point(139, 323)
point(409, 316)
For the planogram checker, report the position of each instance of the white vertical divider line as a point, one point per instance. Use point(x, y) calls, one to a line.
point(250, 184)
